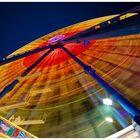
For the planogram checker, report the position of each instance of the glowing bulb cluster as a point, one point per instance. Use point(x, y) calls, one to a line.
point(107, 101)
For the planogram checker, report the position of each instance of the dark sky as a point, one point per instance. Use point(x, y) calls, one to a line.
point(21, 23)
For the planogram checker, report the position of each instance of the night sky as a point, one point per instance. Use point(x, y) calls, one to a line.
point(21, 23)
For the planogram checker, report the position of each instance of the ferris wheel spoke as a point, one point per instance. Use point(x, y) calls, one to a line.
point(9, 87)
point(85, 33)
point(19, 56)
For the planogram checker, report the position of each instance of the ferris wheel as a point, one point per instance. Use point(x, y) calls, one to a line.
point(73, 69)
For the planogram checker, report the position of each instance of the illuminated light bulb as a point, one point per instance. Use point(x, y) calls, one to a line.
point(107, 101)
point(109, 119)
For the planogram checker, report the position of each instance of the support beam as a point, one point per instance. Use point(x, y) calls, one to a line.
point(128, 14)
point(19, 56)
point(116, 95)
point(16, 81)
point(17, 105)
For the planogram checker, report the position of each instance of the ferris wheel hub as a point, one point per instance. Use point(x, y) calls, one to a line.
point(56, 39)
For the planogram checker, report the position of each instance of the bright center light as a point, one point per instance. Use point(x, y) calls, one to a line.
point(56, 38)
point(109, 119)
point(107, 101)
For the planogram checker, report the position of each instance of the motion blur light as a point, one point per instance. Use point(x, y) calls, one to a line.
point(109, 119)
point(107, 101)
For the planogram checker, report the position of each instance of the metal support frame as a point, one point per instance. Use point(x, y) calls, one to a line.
point(102, 24)
point(115, 94)
point(76, 36)
point(16, 81)
point(25, 54)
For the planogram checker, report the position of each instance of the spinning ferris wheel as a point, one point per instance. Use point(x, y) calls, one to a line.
point(74, 79)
